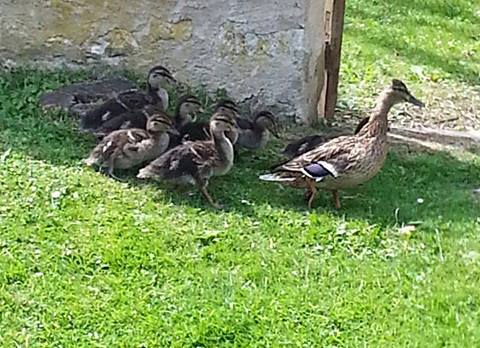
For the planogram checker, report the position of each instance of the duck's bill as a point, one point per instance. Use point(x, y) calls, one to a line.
point(170, 79)
point(173, 131)
point(416, 102)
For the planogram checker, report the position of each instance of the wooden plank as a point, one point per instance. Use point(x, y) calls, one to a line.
point(333, 50)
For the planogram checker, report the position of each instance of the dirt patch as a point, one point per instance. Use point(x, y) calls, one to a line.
point(449, 105)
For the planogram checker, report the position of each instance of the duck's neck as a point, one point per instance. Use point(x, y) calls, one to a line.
point(259, 128)
point(181, 118)
point(159, 95)
point(224, 145)
point(378, 122)
point(158, 135)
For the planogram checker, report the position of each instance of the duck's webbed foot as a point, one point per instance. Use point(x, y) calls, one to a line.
point(111, 174)
point(111, 168)
point(202, 186)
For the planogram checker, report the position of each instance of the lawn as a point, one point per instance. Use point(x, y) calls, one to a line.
point(86, 261)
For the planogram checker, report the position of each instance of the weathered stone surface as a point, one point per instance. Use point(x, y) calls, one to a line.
point(268, 53)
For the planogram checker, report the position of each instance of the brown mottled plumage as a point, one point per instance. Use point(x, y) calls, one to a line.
point(305, 144)
point(187, 107)
point(194, 162)
point(254, 134)
point(346, 161)
point(158, 78)
point(200, 130)
point(126, 148)
point(130, 119)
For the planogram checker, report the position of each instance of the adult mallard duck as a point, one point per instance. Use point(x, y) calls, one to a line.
point(346, 161)
point(195, 162)
point(186, 110)
point(127, 148)
point(159, 78)
point(305, 144)
point(253, 135)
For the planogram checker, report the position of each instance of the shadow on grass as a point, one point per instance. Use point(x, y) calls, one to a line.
point(411, 188)
point(443, 182)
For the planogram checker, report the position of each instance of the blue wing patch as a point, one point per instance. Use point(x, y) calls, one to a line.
point(319, 171)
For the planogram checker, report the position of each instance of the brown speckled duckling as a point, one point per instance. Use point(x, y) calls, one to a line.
point(195, 162)
point(127, 148)
point(201, 130)
point(253, 135)
point(158, 79)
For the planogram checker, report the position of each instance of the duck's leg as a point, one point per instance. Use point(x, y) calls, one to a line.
point(202, 186)
point(312, 192)
point(336, 199)
point(111, 168)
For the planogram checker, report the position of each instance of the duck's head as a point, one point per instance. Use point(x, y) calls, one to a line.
point(187, 109)
point(159, 122)
point(224, 124)
point(227, 107)
point(160, 77)
point(266, 120)
point(399, 93)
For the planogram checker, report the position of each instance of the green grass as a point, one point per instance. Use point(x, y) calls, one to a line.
point(89, 262)
point(420, 42)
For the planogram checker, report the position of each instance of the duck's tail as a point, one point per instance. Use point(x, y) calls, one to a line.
point(276, 177)
point(145, 173)
point(90, 161)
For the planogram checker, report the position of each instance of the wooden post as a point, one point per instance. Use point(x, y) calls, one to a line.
point(334, 19)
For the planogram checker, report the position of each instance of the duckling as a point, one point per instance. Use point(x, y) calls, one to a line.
point(254, 134)
point(346, 161)
point(186, 110)
point(130, 119)
point(126, 148)
point(195, 162)
point(158, 79)
point(307, 143)
point(201, 130)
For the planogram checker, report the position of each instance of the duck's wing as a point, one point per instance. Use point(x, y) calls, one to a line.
point(112, 108)
point(305, 144)
point(133, 100)
point(115, 143)
point(131, 119)
point(187, 159)
point(195, 131)
point(330, 159)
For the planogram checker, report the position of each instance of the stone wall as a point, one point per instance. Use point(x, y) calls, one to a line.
point(268, 52)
